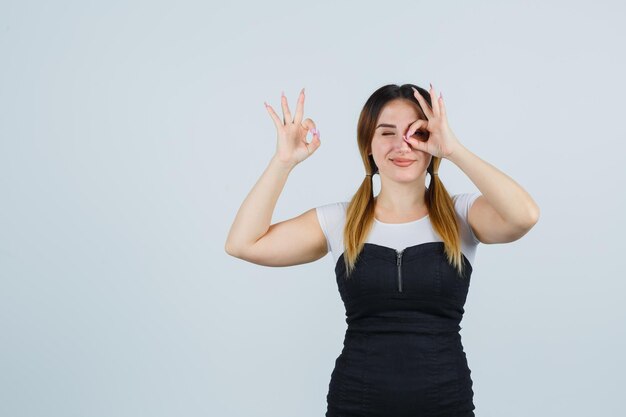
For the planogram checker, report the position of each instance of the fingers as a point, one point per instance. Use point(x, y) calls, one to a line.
point(416, 144)
point(415, 126)
point(299, 107)
point(434, 100)
point(423, 103)
point(309, 125)
point(442, 107)
point(314, 144)
point(315, 141)
point(286, 112)
point(274, 116)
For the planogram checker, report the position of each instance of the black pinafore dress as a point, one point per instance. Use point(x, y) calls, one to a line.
point(402, 353)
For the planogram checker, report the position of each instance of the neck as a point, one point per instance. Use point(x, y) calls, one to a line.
point(402, 201)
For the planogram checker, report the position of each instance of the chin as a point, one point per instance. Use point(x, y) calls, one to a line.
point(405, 176)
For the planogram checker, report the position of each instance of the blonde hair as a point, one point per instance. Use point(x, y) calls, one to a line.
point(360, 212)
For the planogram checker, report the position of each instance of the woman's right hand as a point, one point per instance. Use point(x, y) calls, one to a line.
point(292, 147)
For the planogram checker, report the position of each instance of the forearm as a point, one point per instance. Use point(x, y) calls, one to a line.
point(506, 196)
point(255, 214)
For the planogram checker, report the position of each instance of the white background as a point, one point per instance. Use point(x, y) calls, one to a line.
point(131, 132)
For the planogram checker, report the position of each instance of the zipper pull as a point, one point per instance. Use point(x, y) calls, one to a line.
point(399, 264)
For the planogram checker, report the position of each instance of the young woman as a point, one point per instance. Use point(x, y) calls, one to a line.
point(403, 259)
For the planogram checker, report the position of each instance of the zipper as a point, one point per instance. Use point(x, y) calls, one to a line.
point(399, 263)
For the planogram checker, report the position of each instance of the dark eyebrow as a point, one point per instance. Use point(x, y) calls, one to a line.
point(392, 126)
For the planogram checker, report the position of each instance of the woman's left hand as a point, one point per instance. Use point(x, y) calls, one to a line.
point(437, 138)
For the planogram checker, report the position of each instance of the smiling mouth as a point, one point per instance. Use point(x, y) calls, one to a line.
point(402, 163)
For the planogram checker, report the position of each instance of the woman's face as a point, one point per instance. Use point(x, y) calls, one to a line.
point(388, 144)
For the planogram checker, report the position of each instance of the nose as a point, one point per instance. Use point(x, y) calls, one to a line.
point(402, 145)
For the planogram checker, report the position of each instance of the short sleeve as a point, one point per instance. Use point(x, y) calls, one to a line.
point(462, 204)
point(321, 217)
point(332, 217)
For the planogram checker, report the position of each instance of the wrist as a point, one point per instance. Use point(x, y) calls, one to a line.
point(456, 153)
point(281, 165)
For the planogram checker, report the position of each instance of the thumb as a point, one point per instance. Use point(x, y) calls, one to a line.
point(416, 144)
point(315, 141)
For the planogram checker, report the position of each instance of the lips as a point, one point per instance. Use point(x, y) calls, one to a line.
point(401, 162)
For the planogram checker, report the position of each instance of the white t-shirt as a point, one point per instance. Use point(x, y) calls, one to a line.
point(398, 236)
